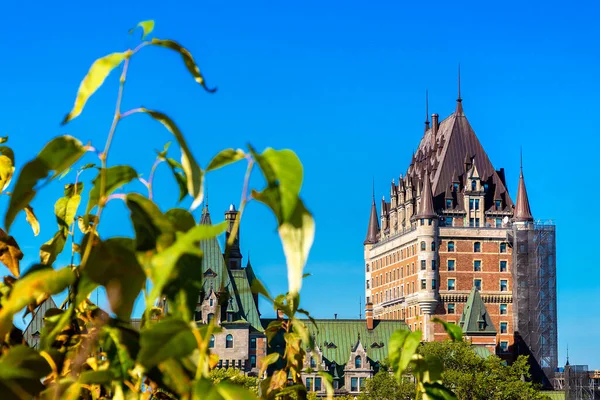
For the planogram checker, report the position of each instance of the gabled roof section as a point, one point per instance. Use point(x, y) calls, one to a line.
point(475, 319)
point(443, 154)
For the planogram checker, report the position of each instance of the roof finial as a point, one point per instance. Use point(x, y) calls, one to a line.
point(373, 189)
point(521, 160)
point(426, 109)
point(459, 98)
point(567, 354)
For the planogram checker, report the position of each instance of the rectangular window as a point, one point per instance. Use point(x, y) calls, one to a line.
point(498, 204)
point(503, 327)
point(433, 265)
point(503, 309)
point(504, 347)
point(429, 221)
point(471, 204)
point(451, 246)
point(448, 221)
point(309, 382)
point(477, 283)
point(423, 283)
point(477, 265)
point(451, 309)
point(318, 384)
point(433, 283)
point(253, 340)
point(448, 203)
point(471, 222)
point(477, 204)
point(367, 284)
point(423, 265)
point(422, 221)
point(413, 287)
point(477, 247)
point(361, 382)
point(503, 285)
point(503, 265)
point(451, 265)
point(502, 247)
point(252, 361)
point(498, 222)
point(354, 384)
point(477, 222)
point(451, 284)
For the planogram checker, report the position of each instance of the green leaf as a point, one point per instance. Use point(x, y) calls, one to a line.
point(3, 139)
point(193, 173)
point(59, 154)
point(187, 59)
point(147, 26)
point(181, 219)
point(175, 169)
point(116, 177)
point(113, 264)
point(169, 338)
point(30, 287)
point(122, 347)
point(402, 346)
point(10, 253)
point(268, 360)
point(21, 371)
point(96, 377)
point(161, 268)
point(72, 189)
point(32, 219)
point(65, 209)
point(453, 330)
point(52, 248)
point(437, 391)
point(231, 391)
point(225, 157)
point(148, 221)
point(283, 172)
point(95, 77)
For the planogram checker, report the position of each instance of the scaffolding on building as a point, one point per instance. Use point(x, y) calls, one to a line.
point(534, 297)
point(579, 383)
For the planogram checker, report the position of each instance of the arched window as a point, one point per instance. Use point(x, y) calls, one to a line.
point(423, 246)
point(211, 344)
point(473, 185)
point(229, 342)
point(357, 362)
point(432, 246)
point(477, 247)
point(450, 246)
point(313, 363)
point(210, 317)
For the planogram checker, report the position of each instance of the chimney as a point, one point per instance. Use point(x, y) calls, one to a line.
point(334, 316)
point(434, 123)
point(369, 315)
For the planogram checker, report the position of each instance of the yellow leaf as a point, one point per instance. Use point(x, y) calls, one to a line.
point(95, 77)
point(32, 219)
point(6, 171)
point(10, 254)
point(147, 26)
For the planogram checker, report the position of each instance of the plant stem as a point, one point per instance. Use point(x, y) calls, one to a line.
point(151, 178)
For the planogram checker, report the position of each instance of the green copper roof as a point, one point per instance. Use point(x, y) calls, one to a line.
point(482, 351)
point(244, 297)
point(337, 337)
point(554, 394)
point(475, 318)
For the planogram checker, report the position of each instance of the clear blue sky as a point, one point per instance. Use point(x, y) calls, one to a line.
point(343, 85)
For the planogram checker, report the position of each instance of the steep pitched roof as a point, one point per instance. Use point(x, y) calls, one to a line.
point(373, 228)
point(475, 314)
point(248, 309)
point(426, 209)
point(443, 153)
point(522, 210)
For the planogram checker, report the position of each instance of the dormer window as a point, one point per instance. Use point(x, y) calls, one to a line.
point(498, 204)
point(313, 363)
point(357, 362)
point(456, 186)
point(448, 203)
point(473, 185)
point(210, 302)
point(481, 325)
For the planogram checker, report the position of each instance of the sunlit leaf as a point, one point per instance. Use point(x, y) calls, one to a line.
point(147, 27)
point(116, 177)
point(437, 391)
point(454, 331)
point(225, 157)
point(402, 346)
point(30, 287)
point(65, 209)
point(7, 167)
point(266, 361)
point(169, 338)
point(231, 391)
point(3, 139)
point(187, 59)
point(113, 264)
point(96, 377)
point(95, 77)
point(161, 267)
point(328, 380)
point(32, 219)
point(193, 173)
point(59, 154)
point(52, 248)
point(10, 253)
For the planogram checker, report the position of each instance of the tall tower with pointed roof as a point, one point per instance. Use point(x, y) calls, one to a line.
point(448, 228)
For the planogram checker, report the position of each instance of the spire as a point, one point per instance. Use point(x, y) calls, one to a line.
point(459, 109)
point(205, 218)
point(426, 110)
point(522, 209)
point(426, 210)
point(373, 228)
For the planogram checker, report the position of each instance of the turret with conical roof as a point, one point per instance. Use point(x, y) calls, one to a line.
point(522, 209)
point(373, 228)
point(426, 208)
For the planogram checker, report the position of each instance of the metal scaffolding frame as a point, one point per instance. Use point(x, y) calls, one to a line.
point(534, 298)
point(579, 383)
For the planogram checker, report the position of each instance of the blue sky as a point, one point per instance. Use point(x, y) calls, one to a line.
point(343, 85)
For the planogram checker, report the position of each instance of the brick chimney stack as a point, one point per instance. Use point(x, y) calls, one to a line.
point(435, 123)
point(369, 315)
